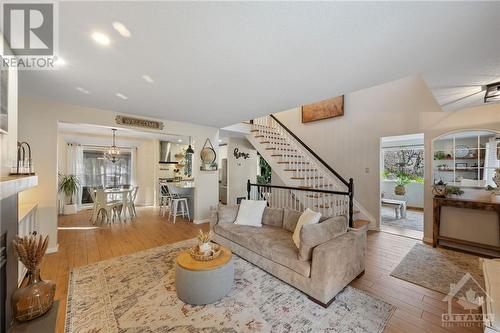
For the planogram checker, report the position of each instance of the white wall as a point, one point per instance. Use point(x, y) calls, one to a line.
point(351, 144)
point(8, 142)
point(38, 120)
point(240, 170)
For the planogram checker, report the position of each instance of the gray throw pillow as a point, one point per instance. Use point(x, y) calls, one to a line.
point(312, 235)
point(227, 214)
point(290, 219)
point(273, 217)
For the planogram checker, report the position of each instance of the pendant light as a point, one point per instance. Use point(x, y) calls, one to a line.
point(189, 150)
point(113, 153)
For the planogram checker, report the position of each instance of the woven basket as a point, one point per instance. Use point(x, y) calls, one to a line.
point(197, 255)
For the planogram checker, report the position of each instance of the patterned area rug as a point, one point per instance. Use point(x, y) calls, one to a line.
point(136, 293)
point(438, 269)
point(414, 220)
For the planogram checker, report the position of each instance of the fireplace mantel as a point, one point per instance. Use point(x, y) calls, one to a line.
point(11, 185)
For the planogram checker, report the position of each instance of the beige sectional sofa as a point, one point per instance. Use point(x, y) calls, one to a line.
point(330, 255)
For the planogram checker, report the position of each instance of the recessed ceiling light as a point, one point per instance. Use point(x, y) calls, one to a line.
point(220, 140)
point(147, 78)
point(82, 90)
point(122, 29)
point(60, 61)
point(101, 38)
point(180, 140)
point(120, 95)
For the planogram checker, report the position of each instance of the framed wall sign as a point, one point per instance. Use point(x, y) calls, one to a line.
point(139, 122)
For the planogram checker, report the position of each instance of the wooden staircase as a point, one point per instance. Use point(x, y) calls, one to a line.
point(299, 167)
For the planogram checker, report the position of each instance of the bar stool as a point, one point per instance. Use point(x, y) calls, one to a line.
point(174, 208)
point(164, 197)
point(177, 202)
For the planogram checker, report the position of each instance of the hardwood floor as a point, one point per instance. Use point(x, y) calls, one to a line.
point(81, 243)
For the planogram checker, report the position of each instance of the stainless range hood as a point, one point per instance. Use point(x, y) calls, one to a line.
point(166, 155)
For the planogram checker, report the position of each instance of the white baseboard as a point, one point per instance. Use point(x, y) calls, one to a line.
point(201, 221)
point(53, 249)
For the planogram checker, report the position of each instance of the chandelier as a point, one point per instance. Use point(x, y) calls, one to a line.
point(113, 153)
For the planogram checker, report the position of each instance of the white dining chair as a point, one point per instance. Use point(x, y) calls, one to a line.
point(133, 196)
point(93, 216)
point(106, 205)
point(128, 198)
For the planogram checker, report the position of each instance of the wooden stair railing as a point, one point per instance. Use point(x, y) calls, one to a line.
point(293, 153)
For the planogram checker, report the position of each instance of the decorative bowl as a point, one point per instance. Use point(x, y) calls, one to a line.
point(203, 256)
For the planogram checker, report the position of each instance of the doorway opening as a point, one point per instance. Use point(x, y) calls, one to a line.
point(402, 185)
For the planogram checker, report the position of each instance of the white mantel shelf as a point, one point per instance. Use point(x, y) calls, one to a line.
point(11, 185)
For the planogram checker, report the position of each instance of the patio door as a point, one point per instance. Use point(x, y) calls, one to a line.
point(402, 185)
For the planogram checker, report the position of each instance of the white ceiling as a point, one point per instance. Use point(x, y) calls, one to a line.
point(218, 63)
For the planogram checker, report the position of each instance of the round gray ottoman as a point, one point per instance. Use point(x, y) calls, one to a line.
point(203, 282)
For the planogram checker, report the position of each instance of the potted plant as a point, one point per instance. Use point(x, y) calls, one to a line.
point(454, 191)
point(68, 185)
point(439, 155)
point(401, 181)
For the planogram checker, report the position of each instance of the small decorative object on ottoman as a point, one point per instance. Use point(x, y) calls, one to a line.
point(204, 281)
point(204, 245)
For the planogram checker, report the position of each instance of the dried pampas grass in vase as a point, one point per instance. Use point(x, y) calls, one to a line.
point(204, 241)
point(37, 297)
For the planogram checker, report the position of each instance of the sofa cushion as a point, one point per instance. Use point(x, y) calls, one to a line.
point(290, 219)
point(250, 212)
point(309, 216)
point(273, 243)
point(273, 217)
point(227, 213)
point(313, 235)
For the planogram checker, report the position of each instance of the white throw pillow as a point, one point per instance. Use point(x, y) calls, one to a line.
point(250, 212)
point(308, 217)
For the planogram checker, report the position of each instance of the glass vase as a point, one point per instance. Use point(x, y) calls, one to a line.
point(33, 300)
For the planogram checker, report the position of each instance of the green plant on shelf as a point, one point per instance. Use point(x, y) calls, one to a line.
point(439, 155)
point(455, 190)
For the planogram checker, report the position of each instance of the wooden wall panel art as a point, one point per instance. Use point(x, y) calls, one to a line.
point(328, 108)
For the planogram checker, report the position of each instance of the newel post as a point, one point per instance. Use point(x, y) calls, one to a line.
point(248, 189)
point(351, 202)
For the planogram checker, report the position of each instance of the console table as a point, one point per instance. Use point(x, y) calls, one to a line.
point(461, 203)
